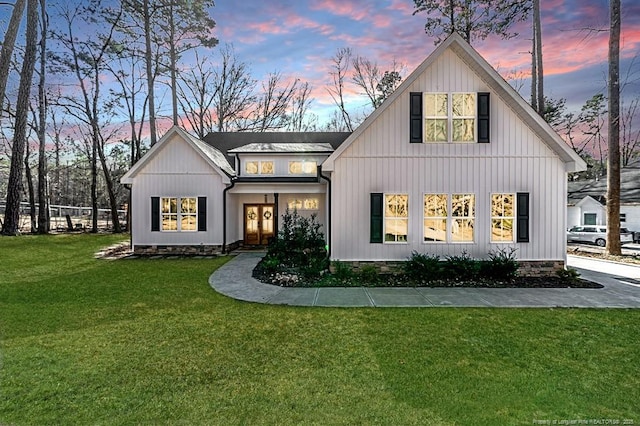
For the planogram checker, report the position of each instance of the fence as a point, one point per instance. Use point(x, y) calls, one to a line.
point(80, 216)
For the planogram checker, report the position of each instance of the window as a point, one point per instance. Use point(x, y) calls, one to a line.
point(462, 217)
point(449, 223)
point(302, 167)
point(303, 204)
point(502, 218)
point(259, 167)
point(396, 218)
point(590, 218)
point(623, 217)
point(449, 117)
point(435, 217)
point(179, 214)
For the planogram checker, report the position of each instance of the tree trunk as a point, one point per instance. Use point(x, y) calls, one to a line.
point(12, 210)
point(7, 47)
point(113, 203)
point(33, 218)
point(94, 185)
point(43, 189)
point(538, 49)
point(173, 58)
point(150, 74)
point(613, 173)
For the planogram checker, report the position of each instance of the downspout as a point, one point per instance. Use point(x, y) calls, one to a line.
point(224, 215)
point(130, 216)
point(329, 210)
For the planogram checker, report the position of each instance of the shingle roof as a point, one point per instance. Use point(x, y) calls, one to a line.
point(284, 147)
point(597, 189)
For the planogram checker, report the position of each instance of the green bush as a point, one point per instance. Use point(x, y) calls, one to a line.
point(421, 267)
point(568, 275)
point(368, 275)
point(502, 265)
point(342, 272)
point(462, 267)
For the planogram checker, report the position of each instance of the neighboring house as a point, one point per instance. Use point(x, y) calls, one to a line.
point(453, 161)
point(587, 200)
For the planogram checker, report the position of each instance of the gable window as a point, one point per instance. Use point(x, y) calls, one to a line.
point(396, 218)
point(302, 167)
point(462, 217)
point(590, 218)
point(435, 217)
point(179, 214)
point(502, 218)
point(259, 167)
point(449, 117)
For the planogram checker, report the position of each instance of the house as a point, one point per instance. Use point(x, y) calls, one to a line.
point(586, 200)
point(453, 161)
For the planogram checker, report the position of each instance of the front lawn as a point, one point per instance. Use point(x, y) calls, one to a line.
point(145, 341)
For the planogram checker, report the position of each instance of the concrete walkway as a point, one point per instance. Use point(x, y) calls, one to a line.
point(621, 290)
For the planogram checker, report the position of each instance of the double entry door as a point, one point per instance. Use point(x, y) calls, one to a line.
point(258, 223)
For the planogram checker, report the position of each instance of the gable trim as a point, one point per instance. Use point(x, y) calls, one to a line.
point(480, 66)
point(129, 176)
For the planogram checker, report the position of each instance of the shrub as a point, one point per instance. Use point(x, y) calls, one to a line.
point(502, 265)
point(299, 243)
point(342, 272)
point(568, 275)
point(462, 267)
point(368, 274)
point(423, 267)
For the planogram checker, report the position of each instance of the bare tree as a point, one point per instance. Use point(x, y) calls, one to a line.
point(270, 110)
point(340, 69)
point(12, 210)
point(197, 95)
point(86, 60)
point(299, 110)
point(592, 116)
point(7, 47)
point(613, 164)
point(43, 190)
point(630, 134)
point(472, 19)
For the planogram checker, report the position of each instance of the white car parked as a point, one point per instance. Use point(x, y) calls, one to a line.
point(596, 235)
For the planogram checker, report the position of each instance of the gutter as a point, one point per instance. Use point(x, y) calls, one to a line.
point(130, 216)
point(320, 175)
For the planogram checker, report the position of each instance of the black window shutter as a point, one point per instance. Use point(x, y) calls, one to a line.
point(376, 218)
point(484, 109)
point(155, 213)
point(415, 117)
point(202, 213)
point(522, 208)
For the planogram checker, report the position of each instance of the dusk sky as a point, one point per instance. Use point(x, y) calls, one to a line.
point(299, 38)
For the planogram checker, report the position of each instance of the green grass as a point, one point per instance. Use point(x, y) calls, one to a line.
point(144, 341)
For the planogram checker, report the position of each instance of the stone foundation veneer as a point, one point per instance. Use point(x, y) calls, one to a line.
point(183, 250)
point(534, 268)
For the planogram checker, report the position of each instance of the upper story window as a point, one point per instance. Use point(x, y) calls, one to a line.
point(449, 117)
point(302, 167)
point(259, 167)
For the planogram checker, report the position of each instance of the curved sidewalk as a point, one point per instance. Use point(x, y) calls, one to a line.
point(234, 280)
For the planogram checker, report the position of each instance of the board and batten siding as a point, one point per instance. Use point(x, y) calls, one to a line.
point(166, 176)
point(382, 160)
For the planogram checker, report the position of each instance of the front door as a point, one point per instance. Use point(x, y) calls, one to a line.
point(258, 224)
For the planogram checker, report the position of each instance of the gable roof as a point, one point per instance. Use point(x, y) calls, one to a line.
point(597, 189)
point(494, 80)
point(211, 155)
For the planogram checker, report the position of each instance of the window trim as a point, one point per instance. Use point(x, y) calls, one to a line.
point(514, 231)
point(302, 166)
point(450, 118)
point(179, 214)
point(384, 218)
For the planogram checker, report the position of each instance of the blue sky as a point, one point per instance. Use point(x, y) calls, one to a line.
point(298, 38)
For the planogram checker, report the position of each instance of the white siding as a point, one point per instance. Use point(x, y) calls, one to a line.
point(383, 160)
point(176, 171)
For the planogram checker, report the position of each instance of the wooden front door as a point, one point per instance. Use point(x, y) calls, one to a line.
point(258, 224)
